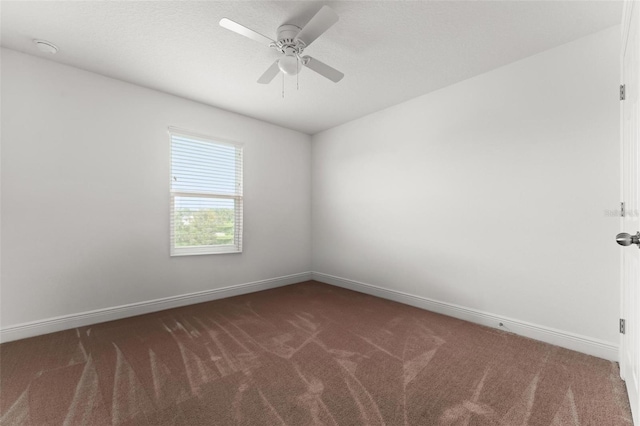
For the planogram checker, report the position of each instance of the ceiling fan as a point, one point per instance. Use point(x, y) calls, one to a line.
point(292, 41)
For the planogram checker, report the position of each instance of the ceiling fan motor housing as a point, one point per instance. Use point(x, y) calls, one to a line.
point(287, 39)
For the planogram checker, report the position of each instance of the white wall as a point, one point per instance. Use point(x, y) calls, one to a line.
point(85, 201)
point(489, 194)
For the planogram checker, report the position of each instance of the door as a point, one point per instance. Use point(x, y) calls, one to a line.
point(630, 291)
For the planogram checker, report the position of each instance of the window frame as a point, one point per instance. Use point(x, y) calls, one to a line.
point(238, 198)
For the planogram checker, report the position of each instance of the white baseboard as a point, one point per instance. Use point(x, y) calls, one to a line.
point(561, 338)
point(564, 339)
point(65, 322)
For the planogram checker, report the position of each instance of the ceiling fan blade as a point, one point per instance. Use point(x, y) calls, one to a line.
point(320, 23)
point(247, 32)
point(269, 74)
point(322, 69)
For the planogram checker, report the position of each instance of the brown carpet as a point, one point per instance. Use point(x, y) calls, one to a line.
point(306, 354)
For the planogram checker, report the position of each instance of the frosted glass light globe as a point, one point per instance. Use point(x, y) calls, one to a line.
point(289, 65)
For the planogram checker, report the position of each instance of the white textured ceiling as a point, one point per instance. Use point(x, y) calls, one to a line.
point(390, 51)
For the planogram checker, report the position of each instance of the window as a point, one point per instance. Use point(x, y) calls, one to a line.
point(206, 195)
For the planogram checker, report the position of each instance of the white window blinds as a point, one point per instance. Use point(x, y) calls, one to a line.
point(206, 195)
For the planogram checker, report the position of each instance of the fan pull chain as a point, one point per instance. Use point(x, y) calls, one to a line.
point(282, 85)
point(298, 73)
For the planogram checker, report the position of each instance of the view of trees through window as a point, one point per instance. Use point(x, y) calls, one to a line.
point(204, 227)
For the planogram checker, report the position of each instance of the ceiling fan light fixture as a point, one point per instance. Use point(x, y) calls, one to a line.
point(289, 64)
